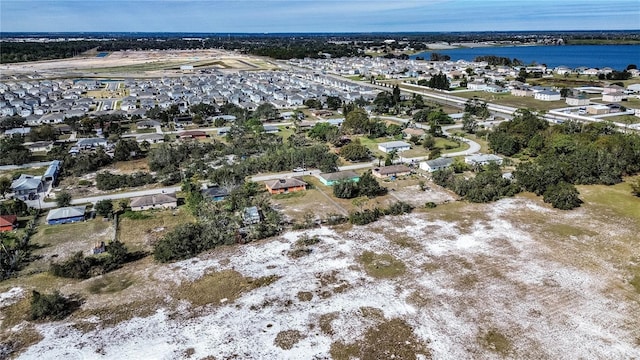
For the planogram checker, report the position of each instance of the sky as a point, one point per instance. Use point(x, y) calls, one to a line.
point(274, 16)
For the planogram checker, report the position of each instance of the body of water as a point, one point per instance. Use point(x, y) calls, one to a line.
point(597, 56)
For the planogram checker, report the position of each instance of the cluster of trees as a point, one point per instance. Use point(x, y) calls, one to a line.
point(108, 181)
point(498, 60)
point(218, 223)
point(367, 186)
point(13, 52)
point(14, 207)
point(615, 75)
point(439, 81)
point(79, 266)
point(488, 184)
point(566, 155)
point(15, 250)
point(477, 107)
point(355, 151)
point(368, 216)
point(126, 149)
point(13, 151)
point(82, 163)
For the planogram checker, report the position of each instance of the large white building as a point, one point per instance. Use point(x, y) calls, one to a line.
point(398, 146)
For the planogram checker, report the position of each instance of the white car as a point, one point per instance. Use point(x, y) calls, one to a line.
point(299, 169)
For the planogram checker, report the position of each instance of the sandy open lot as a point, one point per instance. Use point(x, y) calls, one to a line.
point(511, 279)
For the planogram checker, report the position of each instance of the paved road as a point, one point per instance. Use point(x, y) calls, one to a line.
point(25, 166)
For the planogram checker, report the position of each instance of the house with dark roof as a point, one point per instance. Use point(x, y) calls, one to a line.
point(333, 178)
point(66, 215)
point(154, 201)
point(391, 171)
point(8, 222)
point(215, 193)
point(193, 134)
point(288, 185)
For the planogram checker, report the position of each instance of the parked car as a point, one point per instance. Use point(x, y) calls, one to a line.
point(299, 169)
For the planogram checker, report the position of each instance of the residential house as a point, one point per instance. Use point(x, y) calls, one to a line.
point(52, 171)
point(153, 138)
point(390, 146)
point(91, 143)
point(215, 193)
point(40, 146)
point(522, 91)
point(66, 215)
point(612, 97)
point(547, 95)
point(598, 109)
point(482, 159)
point(8, 222)
point(436, 164)
point(612, 89)
point(193, 134)
point(577, 100)
point(477, 85)
point(270, 129)
point(146, 124)
point(27, 185)
point(391, 171)
point(154, 201)
point(330, 179)
point(288, 185)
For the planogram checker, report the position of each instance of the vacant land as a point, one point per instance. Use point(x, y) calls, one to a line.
point(511, 279)
point(141, 232)
point(526, 102)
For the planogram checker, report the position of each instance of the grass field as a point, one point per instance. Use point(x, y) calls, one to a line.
point(527, 102)
point(141, 234)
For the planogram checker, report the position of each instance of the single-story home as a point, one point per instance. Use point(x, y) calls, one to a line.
point(598, 109)
point(8, 222)
point(270, 129)
point(89, 143)
point(280, 186)
point(26, 185)
point(547, 95)
point(52, 171)
point(145, 124)
point(40, 146)
point(215, 193)
point(66, 215)
point(436, 164)
point(409, 132)
point(154, 201)
point(193, 134)
point(153, 138)
point(612, 97)
point(579, 100)
point(333, 178)
point(482, 159)
point(388, 147)
point(391, 171)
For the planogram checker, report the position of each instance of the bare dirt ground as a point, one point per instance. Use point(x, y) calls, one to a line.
point(138, 63)
point(512, 279)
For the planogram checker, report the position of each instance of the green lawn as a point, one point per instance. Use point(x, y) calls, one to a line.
point(617, 199)
point(527, 102)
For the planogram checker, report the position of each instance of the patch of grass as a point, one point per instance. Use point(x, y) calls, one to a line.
point(290, 195)
point(635, 282)
point(495, 341)
point(108, 284)
point(118, 312)
point(566, 230)
point(305, 296)
point(217, 287)
point(392, 339)
point(617, 199)
point(325, 322)
point(16, 313)
point(13, 343)
point(140, 230)
point(381, 266)
point(288, 338)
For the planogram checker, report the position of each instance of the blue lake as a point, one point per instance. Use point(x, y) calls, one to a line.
point(598, 56)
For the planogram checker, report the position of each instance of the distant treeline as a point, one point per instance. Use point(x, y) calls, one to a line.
point(279, 46)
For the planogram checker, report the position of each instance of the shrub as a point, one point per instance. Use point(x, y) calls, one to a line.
point(51, 306)
point(399, 208)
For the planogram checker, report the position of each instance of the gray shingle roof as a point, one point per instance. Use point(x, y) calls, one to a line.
point(154, 199)
point(66, 212)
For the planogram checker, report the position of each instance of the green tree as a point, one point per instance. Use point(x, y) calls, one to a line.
point(469, 124)
point(635, 187)
point(5, 186)
point(63, 199)
point(563, 196)
point(355, 151)
point(356, 122)
point(104, 207)
point(266, 111)
point(51, 306)
point(368, 186)
point(345, 190)
point(333, 102)
point(126, 149)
